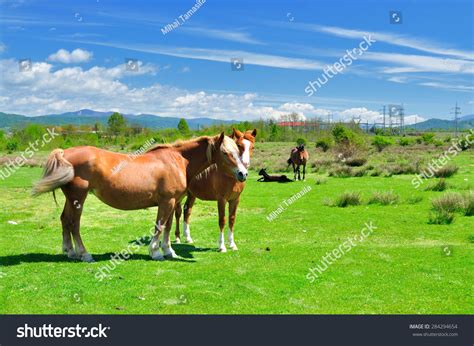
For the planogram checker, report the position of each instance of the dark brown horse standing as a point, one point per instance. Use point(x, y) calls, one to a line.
point(215, 184)
point(160, 177)
point(298, 157)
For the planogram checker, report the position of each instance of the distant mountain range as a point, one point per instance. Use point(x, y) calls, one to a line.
point(465, 122)
point(90, 117)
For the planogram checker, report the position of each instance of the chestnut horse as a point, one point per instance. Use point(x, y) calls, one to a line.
point(159, 177)
point(298, 157)
point(215, 184)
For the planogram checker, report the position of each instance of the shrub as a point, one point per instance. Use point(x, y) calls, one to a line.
point(464, 144)
point(381, 142)
point(324, 143)
point(468, 203)
point(359, 172)
point(347, 199)
point(12, 146)
point(441, 218)
point(440, 185)
point(404, 142)
point(449, 202)
point(414, 199)
point(427, 138)
point(446, 171)
point(355, 161)
point(301, 141)
point(320, 180)
point(384, 198)
point(341, 172)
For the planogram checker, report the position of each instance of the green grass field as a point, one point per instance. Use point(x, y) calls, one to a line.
point(402, 268)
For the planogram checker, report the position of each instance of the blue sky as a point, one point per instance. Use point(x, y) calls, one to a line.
point(78, 52)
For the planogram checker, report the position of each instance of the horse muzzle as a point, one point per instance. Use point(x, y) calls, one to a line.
point(242, 176)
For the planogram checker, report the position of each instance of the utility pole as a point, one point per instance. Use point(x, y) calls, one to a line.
point(456, 111)
point(384, 118)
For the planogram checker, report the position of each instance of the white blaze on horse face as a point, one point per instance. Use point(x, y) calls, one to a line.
point(231, 148)
point(246, 153)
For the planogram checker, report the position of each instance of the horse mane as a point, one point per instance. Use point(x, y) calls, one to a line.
point(228, 145)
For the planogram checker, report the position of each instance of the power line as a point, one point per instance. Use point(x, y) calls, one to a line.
point(456, 111)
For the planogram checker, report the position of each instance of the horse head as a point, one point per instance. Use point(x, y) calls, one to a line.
point(245, 142)
point(228, 157)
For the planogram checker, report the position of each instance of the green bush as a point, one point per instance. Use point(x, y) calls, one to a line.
point(381, 142)
point(324, 143)
point(344, 135)
point(428, 138)
point(446, 171)
point(11, 146)
point(404, 142)
point(301, 141)
point(347, 199)
point(384, 198)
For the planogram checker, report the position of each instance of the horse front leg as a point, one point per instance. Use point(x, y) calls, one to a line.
point(294, 170)
point(299, 172)
point(221, 208)
point(304, 171)
point(165, 210)
point(232, 214)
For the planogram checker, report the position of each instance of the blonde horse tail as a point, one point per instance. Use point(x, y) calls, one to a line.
point(57, 172)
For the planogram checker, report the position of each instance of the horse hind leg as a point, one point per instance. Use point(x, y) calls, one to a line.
point(71, 222)
point(177, 213)
point(165, 212)
point(166, 245)
point(188, 208)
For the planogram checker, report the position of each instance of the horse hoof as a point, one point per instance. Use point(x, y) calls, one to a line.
point(171, 254)
point(177, 241)
point(70, 254)
point(222, 249)
point(87, 258)
point(189, 240)
point(234, 247)
point(157, 256)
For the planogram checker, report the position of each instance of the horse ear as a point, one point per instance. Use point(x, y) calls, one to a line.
point(254, 132)
point(220, 140)
point(236, 133)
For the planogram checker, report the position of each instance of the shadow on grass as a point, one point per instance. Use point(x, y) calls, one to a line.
point(12, 260)
point(182, 250)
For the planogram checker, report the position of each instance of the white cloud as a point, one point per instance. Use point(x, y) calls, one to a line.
point(421, 63)
point(235, 36)
point(76, 56)
point(44, 90)
point(456, 87)
point(3, 47)
point(220, 55)
point(393, 39)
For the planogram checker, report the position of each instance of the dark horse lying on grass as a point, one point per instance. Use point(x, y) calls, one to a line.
point(269, 178)
point(159, 177)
